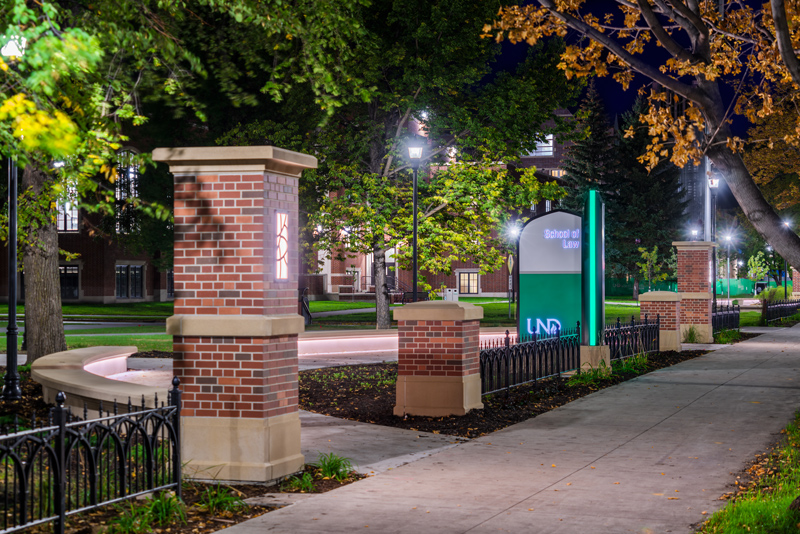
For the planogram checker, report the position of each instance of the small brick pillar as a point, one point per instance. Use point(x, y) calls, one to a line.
point(795, 283)
point(665, 305)
point(438, 358)
point(695, 287)
point(236, 324)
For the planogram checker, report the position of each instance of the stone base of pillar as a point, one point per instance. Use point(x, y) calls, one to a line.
point(241, 449)
point(669, 340)
point(438, 396)
point(795, 295)
point(705, 333)
point(595, 357)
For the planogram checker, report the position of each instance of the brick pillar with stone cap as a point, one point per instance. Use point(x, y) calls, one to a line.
point(795, 283)
point(695, 287)
point(666, 306)
point(438, 371)
point(236, 324)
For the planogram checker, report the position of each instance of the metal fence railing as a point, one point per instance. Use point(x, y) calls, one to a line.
point(513, 361)
point(632, 338)
point(71, 466)
point(725, 318)
point(779, 309)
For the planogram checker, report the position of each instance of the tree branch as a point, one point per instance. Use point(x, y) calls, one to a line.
point(663, 37)
point(397, 135)
point(784, 39)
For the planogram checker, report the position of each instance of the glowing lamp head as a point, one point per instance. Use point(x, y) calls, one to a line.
point(414, 152)
point(713, 182)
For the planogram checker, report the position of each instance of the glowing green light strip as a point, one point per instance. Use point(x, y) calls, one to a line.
point(592, 269)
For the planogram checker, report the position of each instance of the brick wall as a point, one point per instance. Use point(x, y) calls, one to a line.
point(696, 311)
point(237, 376)
point(225, 244)
point(694, 270)
point(668, 313)
point(438, 348)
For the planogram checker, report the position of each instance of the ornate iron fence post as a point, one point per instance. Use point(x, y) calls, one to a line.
point(658, 333)
point(175, 400)
point(59, 490)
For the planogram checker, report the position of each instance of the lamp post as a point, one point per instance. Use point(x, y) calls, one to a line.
point(713, 185)
point(14, 48)
point(694, 235)
point(785, 269)
point(414, 155)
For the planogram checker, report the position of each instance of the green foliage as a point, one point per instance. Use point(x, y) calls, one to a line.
point(691, 335)
point(764, 506)
point(304, 484)
point(775, 293)
point(333, 467)
point(589, 375)
point(757, 267)
point(650, 268)
point(133, 518)
point(166, 508)
point(727, 337)
point(217, 498)
point(634, 364)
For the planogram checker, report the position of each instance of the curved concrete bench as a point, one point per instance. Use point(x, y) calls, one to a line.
point(81, 375)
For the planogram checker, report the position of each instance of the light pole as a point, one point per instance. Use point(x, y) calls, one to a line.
point(14, 48)
point(414, 155)
point(694, 235)
point(713, 185)
point(728, 242)
point(785, 269)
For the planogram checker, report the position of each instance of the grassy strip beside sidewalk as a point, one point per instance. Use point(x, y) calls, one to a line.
point(762, 504)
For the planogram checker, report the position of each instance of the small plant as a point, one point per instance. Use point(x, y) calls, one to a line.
point(132, 519)
point(333, 467)
point(217, 498)
point(690, 335)
point(590, 375)
point(304, 484)
point(726, 337)
point(634, 364)
point(166, 508)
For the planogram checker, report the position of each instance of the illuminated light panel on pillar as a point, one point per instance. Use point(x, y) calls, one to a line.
point(282, 262)
point(593, 269)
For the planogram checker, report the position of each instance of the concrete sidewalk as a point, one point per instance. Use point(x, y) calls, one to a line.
point(649, 455)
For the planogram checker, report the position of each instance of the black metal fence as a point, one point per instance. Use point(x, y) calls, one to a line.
point(779, 309)
point(512, 361)
point(725, 318)
point(71, 466)
point(632, 338)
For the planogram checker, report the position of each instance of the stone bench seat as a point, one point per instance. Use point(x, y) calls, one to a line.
point(81, 375)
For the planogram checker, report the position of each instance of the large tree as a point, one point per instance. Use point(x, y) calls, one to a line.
point(86, 68)
point(428, 67)
point(703, 46)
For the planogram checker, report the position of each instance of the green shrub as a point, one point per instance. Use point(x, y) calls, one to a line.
point(135, 518)
point(690, 335)
point(726, 337)
point(333, 467)
point(590, 375)
point(217, 498)
point(166, 509)
point(304, 484)
point(633, 364)
point(774, 293)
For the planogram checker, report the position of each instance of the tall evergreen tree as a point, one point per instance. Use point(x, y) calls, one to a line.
point(590, 161)
point(645, 210)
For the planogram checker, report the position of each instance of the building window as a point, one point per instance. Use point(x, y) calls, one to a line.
point(67, 217)
point(282, 255)
point(547, 206)
point(544, 148)
point(126, 188)
point(171, 284)
point(130, 281)
point(468, 283)
point(69, 281)
point(558, 173)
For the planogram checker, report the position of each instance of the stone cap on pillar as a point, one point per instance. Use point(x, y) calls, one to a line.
point(693, 245)
point(235, 325)
point(438, 310)
point(234, 159)
point(660, 296)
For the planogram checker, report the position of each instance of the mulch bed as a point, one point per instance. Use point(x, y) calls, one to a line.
point(366, 393)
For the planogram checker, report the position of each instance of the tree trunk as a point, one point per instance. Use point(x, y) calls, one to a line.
point(384, 320)
point(43, 316)
point(636, 289)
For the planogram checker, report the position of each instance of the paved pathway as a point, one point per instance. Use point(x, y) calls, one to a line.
point(649, 455)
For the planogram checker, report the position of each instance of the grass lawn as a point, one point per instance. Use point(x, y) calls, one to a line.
point(763, 505)
point(143, 309)
point(143, 343)
point(749, 318)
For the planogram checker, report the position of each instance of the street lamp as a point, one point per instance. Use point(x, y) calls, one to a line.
point(728, 243)
point(785, 269)
point(13, 48)
point(713, 185)
point(694, 235)
point(415, 156)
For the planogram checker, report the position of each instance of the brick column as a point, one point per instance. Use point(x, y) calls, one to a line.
point(235, 325)
point(695, 287)
point(795, 283)
point(665, 305)
point(438, 358)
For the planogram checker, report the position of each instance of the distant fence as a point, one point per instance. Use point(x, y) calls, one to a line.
point(71, 466)
point(513, 361)
point(776, 310)
point(725, 318)
point(632, 338)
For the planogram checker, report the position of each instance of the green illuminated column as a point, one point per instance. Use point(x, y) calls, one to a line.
point(593, 265)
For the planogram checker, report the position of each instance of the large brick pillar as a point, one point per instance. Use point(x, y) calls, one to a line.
point(236, 324)
point(438, 371)
point(666, 306)
point(795, 283)
point(695, 286)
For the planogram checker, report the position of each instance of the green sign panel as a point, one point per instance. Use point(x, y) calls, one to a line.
point(550, 274)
